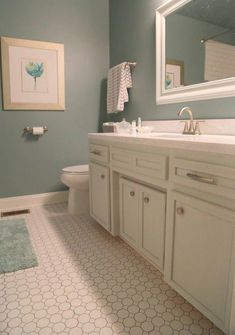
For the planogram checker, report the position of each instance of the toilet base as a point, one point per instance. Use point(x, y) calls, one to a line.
point(78, 202)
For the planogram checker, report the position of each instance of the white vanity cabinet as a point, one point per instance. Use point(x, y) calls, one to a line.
point(129, 211)
point(99, 194)
point(200, 238)
point(152, 212)
point(99, 184)
point(175, 206)
point(142, 219)
point(202, 250)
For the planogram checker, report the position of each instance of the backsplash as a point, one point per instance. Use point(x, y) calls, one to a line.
point(208, 126)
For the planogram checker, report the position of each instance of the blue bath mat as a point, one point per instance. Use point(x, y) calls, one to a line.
point(16, 250)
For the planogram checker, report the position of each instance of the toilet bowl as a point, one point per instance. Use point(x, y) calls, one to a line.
point(77, 179)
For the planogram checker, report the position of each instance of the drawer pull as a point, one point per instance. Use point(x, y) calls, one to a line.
point(201, 179)
point(102, 176)
point(146, 200)
point(180, 211)
point(132, 193)
point(96, 152)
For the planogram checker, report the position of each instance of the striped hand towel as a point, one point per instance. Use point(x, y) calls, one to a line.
point(119, 80)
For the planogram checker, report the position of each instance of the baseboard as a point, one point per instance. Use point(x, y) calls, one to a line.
point(33, 200)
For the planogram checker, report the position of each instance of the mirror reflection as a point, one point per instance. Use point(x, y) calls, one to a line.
point(200, 43)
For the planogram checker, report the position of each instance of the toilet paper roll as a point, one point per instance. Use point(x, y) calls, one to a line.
point(38, 131)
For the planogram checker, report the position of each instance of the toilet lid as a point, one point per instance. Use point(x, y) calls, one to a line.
point(77, 169)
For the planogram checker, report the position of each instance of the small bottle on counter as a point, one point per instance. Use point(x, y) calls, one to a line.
point(133, 127)
point(139, 124)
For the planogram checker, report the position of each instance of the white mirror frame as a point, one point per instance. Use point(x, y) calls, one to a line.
point(202, 91)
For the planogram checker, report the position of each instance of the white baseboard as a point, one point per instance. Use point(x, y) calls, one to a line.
point(26, 201)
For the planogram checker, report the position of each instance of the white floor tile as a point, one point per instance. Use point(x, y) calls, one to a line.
point(88, 282)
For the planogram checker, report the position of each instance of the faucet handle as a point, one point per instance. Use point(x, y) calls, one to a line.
point(197, 130)
point(186, 127)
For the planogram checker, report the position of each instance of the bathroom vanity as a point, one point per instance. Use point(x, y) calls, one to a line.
point(171, 197)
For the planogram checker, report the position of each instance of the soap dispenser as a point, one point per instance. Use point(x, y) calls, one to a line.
point(139, 124)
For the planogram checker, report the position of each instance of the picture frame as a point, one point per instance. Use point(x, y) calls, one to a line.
point(174, 74)
point(32, 75)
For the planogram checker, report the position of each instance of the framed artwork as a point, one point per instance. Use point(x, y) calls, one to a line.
point(174, 74)
point(32, 75)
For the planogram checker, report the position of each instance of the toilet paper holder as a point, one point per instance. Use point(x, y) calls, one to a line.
point(35, 130)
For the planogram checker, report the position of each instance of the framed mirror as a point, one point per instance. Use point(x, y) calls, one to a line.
point(195, 50)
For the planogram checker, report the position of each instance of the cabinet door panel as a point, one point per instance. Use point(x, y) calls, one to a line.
point(202, 253)
point(129, 221)
point(99, 194)
point(152, 224)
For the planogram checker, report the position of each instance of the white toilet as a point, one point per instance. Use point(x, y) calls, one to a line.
point(77, 179)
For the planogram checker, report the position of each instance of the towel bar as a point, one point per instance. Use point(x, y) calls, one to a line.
point(131, 63)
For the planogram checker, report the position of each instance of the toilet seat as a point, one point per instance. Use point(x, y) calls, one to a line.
point(76, 169)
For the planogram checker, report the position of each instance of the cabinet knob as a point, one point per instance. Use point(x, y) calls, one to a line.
point(132, 193)
point(180, 211)
point(146, 200)
point(102, 176)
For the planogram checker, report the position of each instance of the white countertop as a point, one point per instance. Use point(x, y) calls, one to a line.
point(208, 143)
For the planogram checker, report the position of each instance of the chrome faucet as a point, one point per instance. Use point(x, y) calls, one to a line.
point(189, 127)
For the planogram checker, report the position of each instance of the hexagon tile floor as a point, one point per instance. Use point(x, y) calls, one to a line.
point(88, 282)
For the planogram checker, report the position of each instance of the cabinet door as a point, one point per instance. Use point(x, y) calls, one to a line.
point(152, 224)
point(129, 220)
point(99, 194)
point(203, 245)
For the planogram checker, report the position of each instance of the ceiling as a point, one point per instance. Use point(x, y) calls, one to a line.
point(218, 12)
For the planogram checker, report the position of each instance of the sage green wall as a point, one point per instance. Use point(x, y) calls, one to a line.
point(132, 38)
point(31, 166)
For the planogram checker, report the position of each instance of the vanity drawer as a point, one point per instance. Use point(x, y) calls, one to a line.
point(121, 158)
point(152, 165)
point(211, 178)
point(99, 153)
